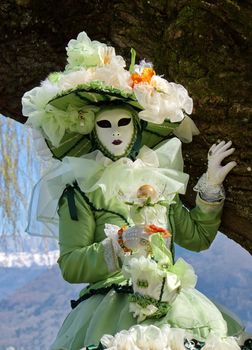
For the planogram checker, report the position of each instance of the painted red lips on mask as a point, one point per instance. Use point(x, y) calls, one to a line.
point(117, 142)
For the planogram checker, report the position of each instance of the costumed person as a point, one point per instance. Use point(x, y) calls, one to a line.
point(112, 199)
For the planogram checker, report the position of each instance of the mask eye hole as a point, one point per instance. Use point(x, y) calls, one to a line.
point(104, 123)
point(124, 121)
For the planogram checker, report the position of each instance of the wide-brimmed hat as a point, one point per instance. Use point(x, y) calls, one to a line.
point(64, 106)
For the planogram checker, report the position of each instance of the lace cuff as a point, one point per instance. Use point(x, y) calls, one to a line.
point(110, 256)
point(208, 192)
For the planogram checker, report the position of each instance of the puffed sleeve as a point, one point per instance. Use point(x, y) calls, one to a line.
point(82, 260)
point(195, 229)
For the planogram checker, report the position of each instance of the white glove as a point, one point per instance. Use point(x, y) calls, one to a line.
point(210, 184)
point(216, 173)
point(135, 238)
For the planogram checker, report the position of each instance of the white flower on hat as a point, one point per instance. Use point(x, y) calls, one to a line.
point(73, 79)
point(162, 100)
point(53, 121)
point(37, 98)
point(94, 66)
point(40, 113)
point(138, 68)
point(53, 124)
point(83, 53)
point(107, 56)
point(81, 121)
point(94, 61)
point(113, 74)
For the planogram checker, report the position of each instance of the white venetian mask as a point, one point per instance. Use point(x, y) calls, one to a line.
point(115, 130)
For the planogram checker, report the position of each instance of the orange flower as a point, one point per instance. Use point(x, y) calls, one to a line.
point(136, 78)
point(144, 77)
point(150, 229)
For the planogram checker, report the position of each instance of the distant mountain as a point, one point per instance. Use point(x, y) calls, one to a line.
point(34, 298)
point(31, 315)
point(12, 279)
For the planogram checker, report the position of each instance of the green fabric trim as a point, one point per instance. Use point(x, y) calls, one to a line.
point(95, 347)
point(94, 92)
point(162, 130)
point(170, 219)
point(94, 209)
point(144, 301)
point(69, 191)
point(137, 145)
point(162, 290)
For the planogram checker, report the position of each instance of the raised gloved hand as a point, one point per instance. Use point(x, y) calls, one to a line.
point(216, 173)
point(210, 184)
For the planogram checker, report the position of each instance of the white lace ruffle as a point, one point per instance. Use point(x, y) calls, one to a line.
point(161, 168)
point(111, 232)
point(110, 256)
point(208, 192)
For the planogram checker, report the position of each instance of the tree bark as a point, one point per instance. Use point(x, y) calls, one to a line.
point(204, 45)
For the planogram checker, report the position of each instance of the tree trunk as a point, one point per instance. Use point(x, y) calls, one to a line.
point(204, 45)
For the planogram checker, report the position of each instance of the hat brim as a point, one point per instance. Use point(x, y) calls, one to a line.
point(75, 144)
point(153, 134)
point(95, 94)
point(71, 145)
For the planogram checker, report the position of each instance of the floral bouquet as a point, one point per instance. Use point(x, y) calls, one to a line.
point(156, 281)
point(148, 261)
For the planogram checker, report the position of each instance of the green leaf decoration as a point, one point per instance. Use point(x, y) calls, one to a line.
point(159, 250)
point(133, 60)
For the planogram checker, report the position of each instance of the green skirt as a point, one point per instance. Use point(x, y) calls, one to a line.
point(108, 314)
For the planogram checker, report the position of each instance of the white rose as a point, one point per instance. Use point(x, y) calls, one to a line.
point(73, 79)
point(83, 52)
point(113, 75)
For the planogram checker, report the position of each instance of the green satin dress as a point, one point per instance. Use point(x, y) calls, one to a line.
point(86, 257)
